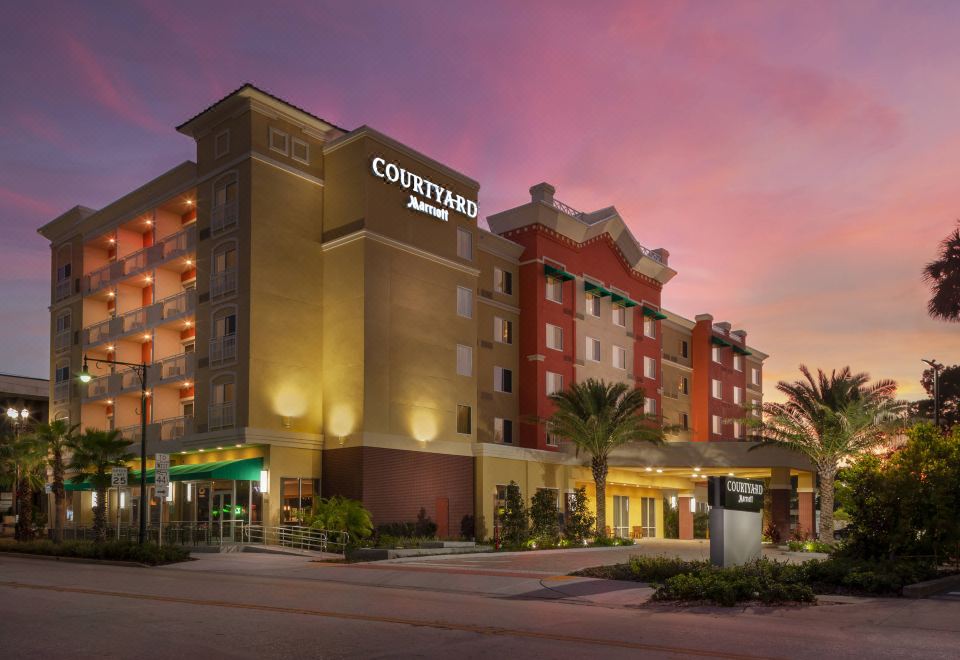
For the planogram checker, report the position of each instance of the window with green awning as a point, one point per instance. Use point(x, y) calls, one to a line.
point(623, 301)
point(558, 273)
point(717, 341)
point(652, 313)
point(741, 351)
point(596, 289)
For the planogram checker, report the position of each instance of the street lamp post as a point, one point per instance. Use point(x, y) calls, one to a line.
point(19, 419)
point(141, 371)
point(937, 367)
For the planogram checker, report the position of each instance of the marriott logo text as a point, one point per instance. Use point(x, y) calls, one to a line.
point(393, 173)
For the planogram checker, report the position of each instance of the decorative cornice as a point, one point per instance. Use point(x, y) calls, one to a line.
point(380, 238)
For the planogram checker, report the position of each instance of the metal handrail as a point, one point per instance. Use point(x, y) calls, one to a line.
point(298, 536)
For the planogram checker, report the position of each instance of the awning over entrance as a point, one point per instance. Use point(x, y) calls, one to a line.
point(241, 469)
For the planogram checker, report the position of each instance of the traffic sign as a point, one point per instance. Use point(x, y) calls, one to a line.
point(161, 473)
point(162, 461)
point(118, 476)
point(161, 492)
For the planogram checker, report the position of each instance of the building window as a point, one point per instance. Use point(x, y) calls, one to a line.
point(64, 268)
point(738, 362)
point(554, 337)
point(621, 516)
point(620, 315)
point(223, 214)
point(737, 395)
point(716, 389)
point(684, 348)
point(649, 327)
point(297, 497)
point(593, 349)
point(648, 517)
point(757, 407)
point(593, 305)
point(464, 421)
point(223, 271)
point(62, 373)
point(464, 360)
point(684, 421)
point(649, 367)
point(503, 281)
point(736, 430)
point(464, 244)
point(464, 302)
point(619, 357)
point(223, 343)
point(502, 330)
point(650, 406)
point(221, 411)
point(554, 383)
point(503, 430)
point(755, 376)
point(502, 380)
point(300, 151)
point(553, 440)
point(715, 424)
point(715, 354)
point(221, 144)
point(279, 141)
point(554, 289)
point(684, 385)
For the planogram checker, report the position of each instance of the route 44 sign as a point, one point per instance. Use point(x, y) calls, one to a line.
point(118, 476)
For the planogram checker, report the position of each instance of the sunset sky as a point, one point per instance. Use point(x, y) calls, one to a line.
point(800, 161)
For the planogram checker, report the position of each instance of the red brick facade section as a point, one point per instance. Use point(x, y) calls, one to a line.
point(394, 484)
point(600, 259)
point(703, 405)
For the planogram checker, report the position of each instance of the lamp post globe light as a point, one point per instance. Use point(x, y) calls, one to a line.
point(936, 366)
point(19, 419)
point(141, 371)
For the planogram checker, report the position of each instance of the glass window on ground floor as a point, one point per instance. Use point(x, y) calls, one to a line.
point(297, 495)
point(621, 516)
point(648, 517)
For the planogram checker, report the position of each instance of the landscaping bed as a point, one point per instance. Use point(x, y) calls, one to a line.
point(765, 581)
point(150, 554)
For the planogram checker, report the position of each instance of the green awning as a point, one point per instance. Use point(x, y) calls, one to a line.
point(653, 313)
point(623, 301)
point(720, 342)
point(596, 289)
point(741, 351)
point(240, 469)
point(558, 273)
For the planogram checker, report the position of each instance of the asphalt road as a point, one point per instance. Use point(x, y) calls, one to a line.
point(265, 606)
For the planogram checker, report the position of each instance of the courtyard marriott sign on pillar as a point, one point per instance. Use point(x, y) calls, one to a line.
point(736, 516)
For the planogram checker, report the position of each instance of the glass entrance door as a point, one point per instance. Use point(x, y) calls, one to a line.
point(648, 515)
point(222, 512)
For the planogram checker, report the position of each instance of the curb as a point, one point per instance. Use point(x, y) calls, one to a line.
point(78, 560)
point(931, 587)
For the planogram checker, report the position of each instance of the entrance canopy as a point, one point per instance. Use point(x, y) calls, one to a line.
point(241, 469)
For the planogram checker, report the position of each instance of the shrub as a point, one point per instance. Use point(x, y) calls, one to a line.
point(579, 523)
point(610, 541)
point(513, 517)
point(467, 527)
point(765, 581)
point(810, 545)
point(701, 525)
point(544, 521)
point(671, 520)
point(400, 529)
point(148, 553)
point(658, 569)
point(340, 514)
point(424, 526)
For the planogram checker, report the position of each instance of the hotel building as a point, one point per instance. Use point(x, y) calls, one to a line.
point(321, 314)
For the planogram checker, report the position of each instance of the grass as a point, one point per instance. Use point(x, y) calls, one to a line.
point(149, 553)
point(765, 581)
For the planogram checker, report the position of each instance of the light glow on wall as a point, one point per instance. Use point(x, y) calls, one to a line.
point(341, 420)
point(423, 425)
point(264, 481)
point(290, 401)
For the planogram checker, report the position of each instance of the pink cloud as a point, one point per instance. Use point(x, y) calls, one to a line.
point(21, 202)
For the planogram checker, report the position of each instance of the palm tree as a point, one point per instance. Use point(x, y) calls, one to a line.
point(21, 466)
point(57, 437)
point(830, 419)
point(95, 454)
point(597, 417)
point(943, 275)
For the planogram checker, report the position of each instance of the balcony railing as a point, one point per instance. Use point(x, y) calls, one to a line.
point(176, 366)
point(223, 349)
point(223, 217)
point(62, 290)
point(61, 341)
point(61, 391)
point(129, 380)
point(172, 246)
point(96, 333)
point(175, 305)
point(134, 320)
point(222, 284)
point(99, 386)
point(174, 428)
point(130, 433)
point(220, 416)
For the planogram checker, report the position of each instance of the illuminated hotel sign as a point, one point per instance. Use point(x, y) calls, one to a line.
point(736, 494)
point(438, 200)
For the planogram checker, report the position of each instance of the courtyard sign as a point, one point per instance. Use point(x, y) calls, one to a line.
point(736, 494)
point(735, 519)
point(438, 200)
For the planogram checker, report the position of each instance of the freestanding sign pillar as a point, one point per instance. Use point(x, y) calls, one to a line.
point(736, 516)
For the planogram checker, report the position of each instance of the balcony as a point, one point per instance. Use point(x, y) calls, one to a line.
point(223, 217)
point(177, 367)
point(222, 284)
point(98, 387)
point(61, 341)
point(220, 416)
point(173, 428)
point(223, 349)
point(137, 320)
point(164, 250)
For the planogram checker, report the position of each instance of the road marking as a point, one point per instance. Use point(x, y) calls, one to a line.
point(433, 568)
point(420, 623)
